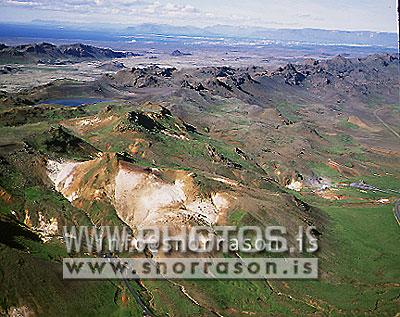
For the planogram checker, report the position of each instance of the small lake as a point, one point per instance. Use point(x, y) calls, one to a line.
point(73, 102)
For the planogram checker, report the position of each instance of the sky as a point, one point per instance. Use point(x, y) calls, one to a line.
point(372, 15)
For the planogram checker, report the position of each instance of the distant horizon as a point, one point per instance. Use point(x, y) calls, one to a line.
point(359, 15)
point(189, 35)
point(119, 25)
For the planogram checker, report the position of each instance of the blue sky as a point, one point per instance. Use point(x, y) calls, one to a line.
point(374, 15)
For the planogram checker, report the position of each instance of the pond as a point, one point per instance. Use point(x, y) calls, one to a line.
point(73, 102)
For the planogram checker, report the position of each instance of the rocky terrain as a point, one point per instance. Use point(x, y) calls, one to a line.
point(205, 146)
point(47, 53)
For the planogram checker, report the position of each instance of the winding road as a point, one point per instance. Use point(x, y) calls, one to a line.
point(364, 186)
point(384, 123)
point(146, 311)
point(396, 211)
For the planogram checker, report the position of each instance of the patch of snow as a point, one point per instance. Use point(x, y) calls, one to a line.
point(158, 196)
point(72, 197)
point(295, 185)
point(46, 228)
point(219, 201)
point(126, 181)
point(22, 311)
point(61, 174)
point(85, 122)
point(225, 181)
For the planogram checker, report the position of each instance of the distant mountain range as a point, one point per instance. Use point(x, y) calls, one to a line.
point(317, 36)
point(314, 35)
point(49, 53)
point(58, 30)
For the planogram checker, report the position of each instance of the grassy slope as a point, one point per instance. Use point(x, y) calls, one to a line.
point(359, 265)
point(360, 273)
point(35, 282)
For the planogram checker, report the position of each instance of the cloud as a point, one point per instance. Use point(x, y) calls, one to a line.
point(141, 9)
point(170, 7)
point(67, 5)
point(340, 14)
point(160, 11)
point(22, 3)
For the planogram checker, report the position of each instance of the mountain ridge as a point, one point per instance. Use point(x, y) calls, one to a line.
point(114, 32)
point(50, 53)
